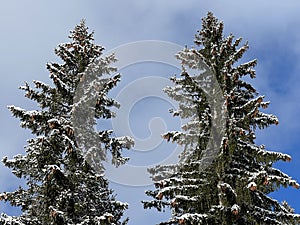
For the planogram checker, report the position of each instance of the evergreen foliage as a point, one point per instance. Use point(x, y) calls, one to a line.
point(63, 165)
point(233, 188)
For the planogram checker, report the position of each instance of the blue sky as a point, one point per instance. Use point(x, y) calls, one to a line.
point(31, 30)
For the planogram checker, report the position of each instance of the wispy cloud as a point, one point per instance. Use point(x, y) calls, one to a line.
point(30, 31)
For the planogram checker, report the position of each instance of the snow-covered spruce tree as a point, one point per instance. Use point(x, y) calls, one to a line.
point(233, 188)
point(64, 186)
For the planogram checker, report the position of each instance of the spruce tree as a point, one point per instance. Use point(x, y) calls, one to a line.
point(234, 187)
point(63, 161)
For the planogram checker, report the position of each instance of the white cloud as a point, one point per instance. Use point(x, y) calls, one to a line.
point(31, 31)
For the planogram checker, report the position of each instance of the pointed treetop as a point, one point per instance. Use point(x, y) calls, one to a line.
point(80, 33)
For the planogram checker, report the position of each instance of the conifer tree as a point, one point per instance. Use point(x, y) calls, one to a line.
point(233, 188)
point(63, 165)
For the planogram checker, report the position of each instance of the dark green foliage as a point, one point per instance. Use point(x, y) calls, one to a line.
point(232, 188)
point(64, 183)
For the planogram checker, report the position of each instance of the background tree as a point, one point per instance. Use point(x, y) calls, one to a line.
point(63, 161)
point(233, 188)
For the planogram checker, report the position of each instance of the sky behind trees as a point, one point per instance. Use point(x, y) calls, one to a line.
point(32, 29)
